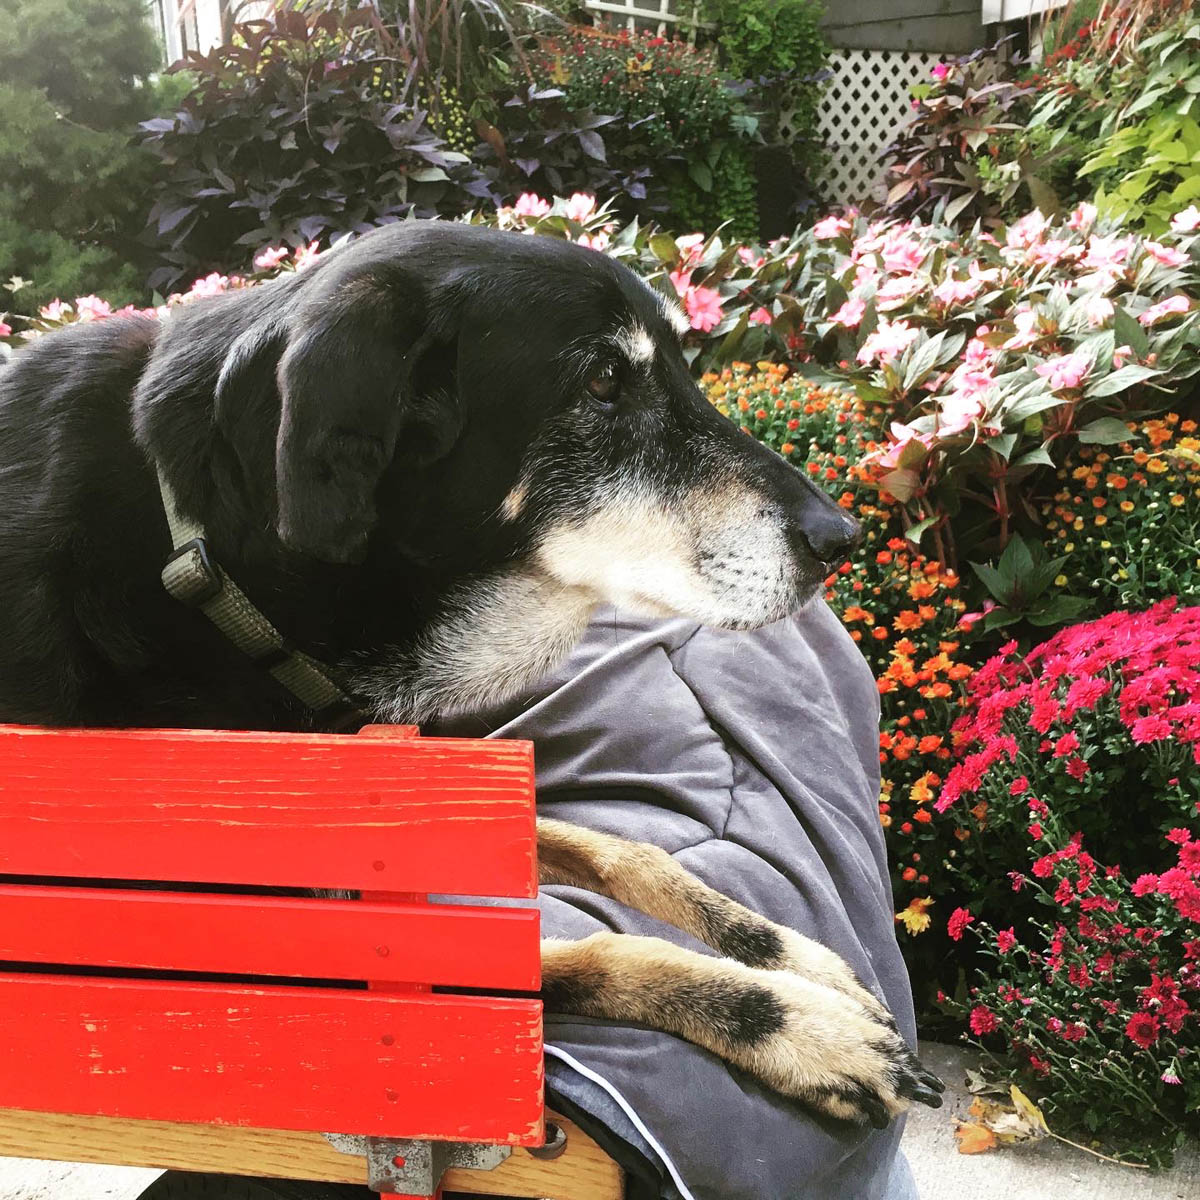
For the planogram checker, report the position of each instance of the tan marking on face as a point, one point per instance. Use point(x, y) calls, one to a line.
point(513, 505)
point(708, 554)
point(636, 344)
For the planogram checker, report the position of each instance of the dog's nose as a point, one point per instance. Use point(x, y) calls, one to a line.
point(830, 534)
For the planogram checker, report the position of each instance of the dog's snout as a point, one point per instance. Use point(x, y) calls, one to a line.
point(832, 536)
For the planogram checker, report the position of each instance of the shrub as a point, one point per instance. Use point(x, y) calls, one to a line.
point(1074, 763)
point(1147, 139)
point(75, 82)
point(942, 163)
point(288, 136)
point(733, 294)
point(641, 120)
point(778, 48)
point(1127, 523)
point(998, 357)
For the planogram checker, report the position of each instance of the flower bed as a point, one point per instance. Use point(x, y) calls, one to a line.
point(1076, 794)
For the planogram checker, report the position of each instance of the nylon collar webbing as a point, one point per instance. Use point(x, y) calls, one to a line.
point(192, 578)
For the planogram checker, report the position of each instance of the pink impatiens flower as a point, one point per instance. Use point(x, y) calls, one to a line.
point(1187, 221)
point(5, 329)
point(305, 256)
point(940, 71)
point(888, 342)
point(56, 310)
point(92, 308)
point(594, 241)
point(1098, 310)
point(830, 227)
point(850, 313)
point(761, 316)
point(1121, 355)
point(691, 247)
point(681, 280)
point(1023, 233)
point(703, 308)
point(898, 292)
point(210, 285)
point(1107, 253)
point(956, 412)
point(1167, 255)
point(580, 207)
point(1066, 371)
point(905, 435)
point(530, 204)
point(271, 257)
point(1026, 332)
point(957, 291)
point(1172, 306)
point(1083, 218)
point(903, 254)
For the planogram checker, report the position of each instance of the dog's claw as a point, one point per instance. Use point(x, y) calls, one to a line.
point(924, 1095)
point(930, 1080)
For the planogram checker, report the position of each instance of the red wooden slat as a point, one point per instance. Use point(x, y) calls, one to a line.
point(441, 1067)
point(404, 815)
point(450, 945)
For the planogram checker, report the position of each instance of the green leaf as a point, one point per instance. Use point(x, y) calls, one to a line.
point(1016, 563)
point(1037, 457)
point(1058, 610)
point(992, 580)
point(1003, 445)
point(1128, 331)
point(701, 175)
point(1119, 381)
point(913, 532)
point(1107, 431)
point(921, 359)
point(902, 484)
point(999, 617)
point(664, 248)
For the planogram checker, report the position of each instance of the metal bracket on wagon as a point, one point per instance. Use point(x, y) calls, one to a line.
point(412, 1167)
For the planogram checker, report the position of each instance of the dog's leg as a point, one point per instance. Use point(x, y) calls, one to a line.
point(798, 1037)
point(648, 879)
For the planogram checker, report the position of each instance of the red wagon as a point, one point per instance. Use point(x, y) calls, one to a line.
point(202, 1023)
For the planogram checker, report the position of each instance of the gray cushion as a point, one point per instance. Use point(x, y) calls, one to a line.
point(753, 759)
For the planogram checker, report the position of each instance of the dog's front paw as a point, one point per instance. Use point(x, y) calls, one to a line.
point(802, 956)
point(838, 1056)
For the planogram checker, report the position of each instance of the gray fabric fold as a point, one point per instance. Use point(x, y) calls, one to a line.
point(753, 759)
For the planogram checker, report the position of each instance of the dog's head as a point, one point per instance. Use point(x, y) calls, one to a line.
point(491, 409)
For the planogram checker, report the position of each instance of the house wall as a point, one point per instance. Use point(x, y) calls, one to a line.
point(942, 26)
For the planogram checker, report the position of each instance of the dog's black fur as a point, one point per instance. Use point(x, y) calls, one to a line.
point(347, 435)
point(426, 459)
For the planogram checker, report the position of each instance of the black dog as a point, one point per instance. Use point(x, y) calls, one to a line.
point(426, 459)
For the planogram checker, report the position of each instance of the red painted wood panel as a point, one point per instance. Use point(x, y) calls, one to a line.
point(450, 945)
point(452, 816)
point(442, 1067)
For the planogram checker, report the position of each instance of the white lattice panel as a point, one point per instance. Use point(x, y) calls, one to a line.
point(865, 103)
point(660, 15)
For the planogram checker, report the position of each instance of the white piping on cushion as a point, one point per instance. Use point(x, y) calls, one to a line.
point(628, 1109)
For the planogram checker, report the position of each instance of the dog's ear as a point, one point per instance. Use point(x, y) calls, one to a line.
point(344, 383)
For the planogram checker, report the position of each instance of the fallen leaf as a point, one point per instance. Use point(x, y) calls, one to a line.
point(1028, 1109)
point(974, 1138)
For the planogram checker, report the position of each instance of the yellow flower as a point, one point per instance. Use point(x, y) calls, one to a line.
point(1060, 581)
point(1176, 499)
point(914, 918)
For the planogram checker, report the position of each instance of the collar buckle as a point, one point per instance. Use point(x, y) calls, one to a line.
point(190, 575)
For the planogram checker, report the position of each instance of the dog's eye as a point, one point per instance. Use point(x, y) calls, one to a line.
point(604, 388)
